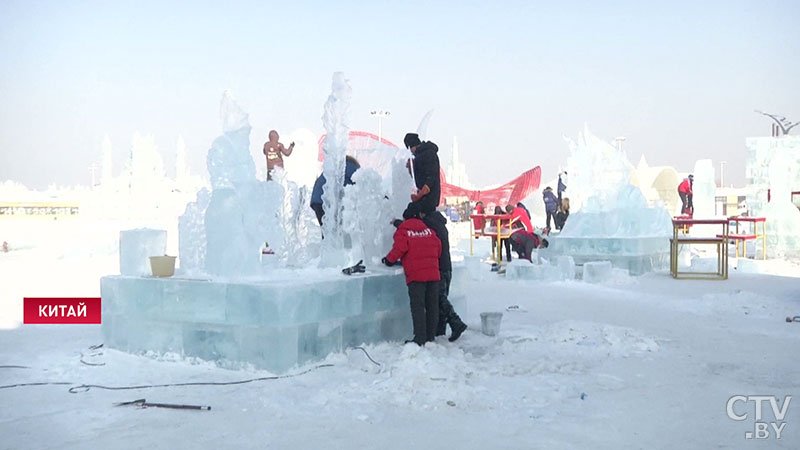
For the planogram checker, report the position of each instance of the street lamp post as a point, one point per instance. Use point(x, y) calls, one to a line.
point(619, 140)
point(93, 171)
point(380, 114)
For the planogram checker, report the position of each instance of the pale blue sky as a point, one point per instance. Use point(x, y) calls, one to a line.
point(679, 79)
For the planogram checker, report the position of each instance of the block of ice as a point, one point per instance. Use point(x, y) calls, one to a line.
point(704, 189)
point(521, 269)
point(566, 266)
point(194, 300)
point(744, 265)
point(137, 246)
point(272, 325)
point(596, 271)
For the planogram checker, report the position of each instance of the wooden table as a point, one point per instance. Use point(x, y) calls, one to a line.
point(503, 223)
point(720, 241)
point(755, 235)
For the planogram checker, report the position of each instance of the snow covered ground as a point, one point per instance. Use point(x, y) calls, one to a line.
point(647, 362)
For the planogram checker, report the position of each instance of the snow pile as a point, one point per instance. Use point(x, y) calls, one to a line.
point(597, 338)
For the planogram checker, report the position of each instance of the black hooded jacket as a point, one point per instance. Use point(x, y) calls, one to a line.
point(437, 222)
point(426, 171)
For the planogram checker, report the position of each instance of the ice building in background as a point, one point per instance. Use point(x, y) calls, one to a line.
point(610, 219)
point(658, 184)
point(773, 173)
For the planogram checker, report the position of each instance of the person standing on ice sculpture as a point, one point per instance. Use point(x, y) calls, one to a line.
point(275, 151)
point(550, 204)
point(426, 172)
point(685, 193)
point(419, 249)
point(561, 187)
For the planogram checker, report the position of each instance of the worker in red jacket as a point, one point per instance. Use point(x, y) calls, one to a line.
point(478, 222)
point(523, 240)
point(685, 193)
point(419, 249)
point(520, 218)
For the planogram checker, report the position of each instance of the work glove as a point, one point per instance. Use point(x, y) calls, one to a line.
point(386, 262)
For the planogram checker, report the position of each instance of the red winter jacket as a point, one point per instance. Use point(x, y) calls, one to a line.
point(478, 223)
point(519, 215)
point(685, 186)
point(419, 248)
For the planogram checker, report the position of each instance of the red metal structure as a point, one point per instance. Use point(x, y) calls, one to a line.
point(365, 146)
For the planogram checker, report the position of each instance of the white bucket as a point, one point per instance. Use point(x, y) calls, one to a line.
point(162, 266)
point(490, 323)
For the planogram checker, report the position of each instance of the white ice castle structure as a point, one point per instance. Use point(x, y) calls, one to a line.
point(230, 304)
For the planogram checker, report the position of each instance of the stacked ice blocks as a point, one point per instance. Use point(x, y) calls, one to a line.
point(272, 325)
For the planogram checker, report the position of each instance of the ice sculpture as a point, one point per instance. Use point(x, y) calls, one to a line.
point(192, 234)
point(228, 305)
point(336, 121)
point(366, 217)
point(239, 214)
point(301, 234)
point(613, 222)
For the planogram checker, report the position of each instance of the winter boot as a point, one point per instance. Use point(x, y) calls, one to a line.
point(457, 327)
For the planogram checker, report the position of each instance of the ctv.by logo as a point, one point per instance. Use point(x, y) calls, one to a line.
point(761, 429)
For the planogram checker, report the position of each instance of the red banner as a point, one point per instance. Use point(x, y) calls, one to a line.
point(80, 310)
point(508, 194)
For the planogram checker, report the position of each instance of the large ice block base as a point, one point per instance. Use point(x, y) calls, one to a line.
point(273, 325)
point(637, 255)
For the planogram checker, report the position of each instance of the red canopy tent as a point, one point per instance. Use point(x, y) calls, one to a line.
point(363, 144)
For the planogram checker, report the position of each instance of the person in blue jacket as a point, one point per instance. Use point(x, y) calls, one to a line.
point(351, 165)
point(550, 204)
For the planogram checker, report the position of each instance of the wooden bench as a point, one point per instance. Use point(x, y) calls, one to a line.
point(720, 242)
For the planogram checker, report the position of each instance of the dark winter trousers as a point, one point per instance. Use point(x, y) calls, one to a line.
point(424, 296)
point(550, 214)
point(524, 243)
point(500, 248)
point(447, 314)
point(317, 207)
point(686, 202)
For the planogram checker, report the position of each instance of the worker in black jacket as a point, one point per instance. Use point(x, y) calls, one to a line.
point(426, 172)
